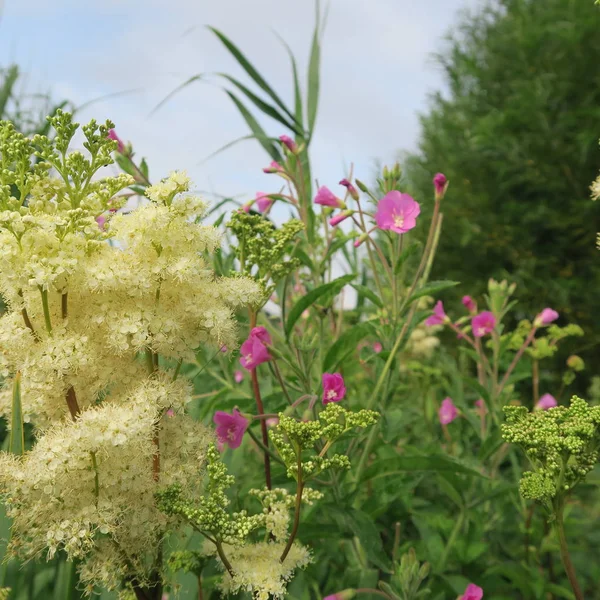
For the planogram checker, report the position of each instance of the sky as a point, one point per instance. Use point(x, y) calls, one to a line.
point(377, 72)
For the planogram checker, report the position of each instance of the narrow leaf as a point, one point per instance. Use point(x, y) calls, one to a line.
point(298, 109)
point(367, 292)
point(345, 345)
point(17, 433)
point(176, 91)
point(431, 288)
point(309, 299)
point(312, 100)
point(12, 74)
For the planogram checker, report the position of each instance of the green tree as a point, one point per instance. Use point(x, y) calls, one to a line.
point(516, 133)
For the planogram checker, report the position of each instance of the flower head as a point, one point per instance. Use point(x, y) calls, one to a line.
point(351, 189)
point(473, 592)
point(447, 412)
point(274, 167)
point(545, 317)
point(377, 347)
point(230, 427)
point(238, 376)
point(483, 323)
point(254, 353)
point(112, 134)
point(438, 317)
point(262, 334)
point(263, 202)
point(397, 212)
point(440, 183)
point(287, 141)
point(469, 303)
point(339, 218)
point(545, 402)
point(325, 197)
point(334, 389)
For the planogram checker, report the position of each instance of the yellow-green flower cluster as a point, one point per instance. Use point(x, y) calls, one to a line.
point(99, 304)
point(562, 444)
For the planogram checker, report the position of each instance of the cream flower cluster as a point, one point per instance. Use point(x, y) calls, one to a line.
point(99, 313)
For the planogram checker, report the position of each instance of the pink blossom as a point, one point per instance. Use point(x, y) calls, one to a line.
point(101, 220)
point(274, 167)
point(481, 407)
point(351, 189)
point(339, 218)
point(447, 412)
point(440, 183)
point(545, 317)
point(334, 389)
point(473, 592)
point(170, 413)
point(230, 427)
point(483, 323)
point(223, 348)
point(112, 134)
point(238, 376)
point(325, 197)
point(377, 347)
point(469, 303)
point(246, 207)
point(545, 402)
point(438, 317)
point(263, 202)
point(254, 353)
point(397, 212)
point(272, 421)
point(262, 334)
point(287, 141)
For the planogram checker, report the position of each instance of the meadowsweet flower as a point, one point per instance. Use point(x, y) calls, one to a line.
point(545, 402)
point(274, 167)
point(238, 376)
point(397, 212)
point(254, 351)
point(334, 221)
point(473, 592)
point(112, 134)
point(263, 202)
point(483, 323)
point(287, 141)
point(325, 197)
point(351, 189)
point(545, 317)
point(469, 303)
point(440, 183)
point(377, 347)
point(438, 317)
point(334, 389)
point(447, 412)
point(230, 427)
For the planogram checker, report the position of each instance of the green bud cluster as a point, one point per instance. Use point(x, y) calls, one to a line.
point(499, 293)
point(292, 437)
point(408, 577)
point(561, 443)
point(208, 513)
point(188, 561)
point(262, 247)
point(275, 496)
point(546, 346)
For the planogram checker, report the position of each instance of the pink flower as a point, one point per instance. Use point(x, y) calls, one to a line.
point(272, 421)
point(473, 592)
point(101, 220)
point(339, 218)
point(481, 407)
point(223, 348)
point(263, 202)
point(483, 323)
point(286, 140)
point(254, 353)
point(438, 317)
point(246, 207)
point(440, 182)
point(230, 427)
point(447, 412)
point(397, 212)
point(325, 197)
point(170, 413)
point(351, 189)
point(274, 167)
point(112, 134)
point(377, 347)
point(545, 402)
point(469, 303)
point(262, 334)
point(545, 317)
point(334, 389)
point(238, 376)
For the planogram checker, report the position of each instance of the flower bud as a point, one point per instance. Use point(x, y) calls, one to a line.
point(440, 185)
point(347, 594)
point(351, 189)
point(575, 362)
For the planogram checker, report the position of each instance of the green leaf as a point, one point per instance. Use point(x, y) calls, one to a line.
point(314, 77)
point(267, 109)
point(345, 345)
point(431, 288)
point(256, 129)
point(17, 432)
point(144, 168)
point(249, 68)
point(367, 292)
point(12, 74)
point(404, 464)
point(332, 287)
point(298, 110)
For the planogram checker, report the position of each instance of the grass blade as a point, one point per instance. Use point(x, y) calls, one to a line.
point(298, 108)
point(176, 91)
point(312, 99)
point(17, 433)
point(12, 74)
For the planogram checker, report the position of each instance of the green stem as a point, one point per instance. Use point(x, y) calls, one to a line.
point(46, 308)
point(451, 540)
point(264, 448)
point(299, 489)
point(96, 477)
point(223, 558)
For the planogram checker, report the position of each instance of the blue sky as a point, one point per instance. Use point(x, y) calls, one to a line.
point(377, 70)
